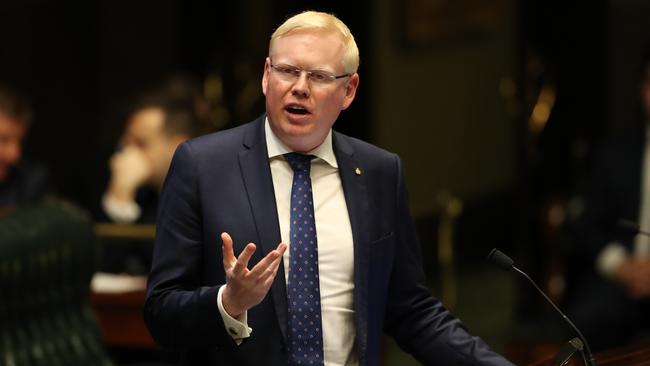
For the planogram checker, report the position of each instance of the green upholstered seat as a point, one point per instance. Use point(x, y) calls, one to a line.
point(47, 258)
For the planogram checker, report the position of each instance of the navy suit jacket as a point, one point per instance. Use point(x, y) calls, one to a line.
point(222, 182)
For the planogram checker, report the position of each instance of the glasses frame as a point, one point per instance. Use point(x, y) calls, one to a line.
point(297, 72)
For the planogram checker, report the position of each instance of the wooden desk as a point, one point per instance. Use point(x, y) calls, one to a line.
point(120, 314)
point(120, 317)
point(131, 232)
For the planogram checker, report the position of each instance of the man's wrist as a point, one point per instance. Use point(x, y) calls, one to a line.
point(237, 327)
point(121, 191)
point(228, 306)
point(124, 212)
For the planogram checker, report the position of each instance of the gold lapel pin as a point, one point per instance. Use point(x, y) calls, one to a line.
point(357, 171)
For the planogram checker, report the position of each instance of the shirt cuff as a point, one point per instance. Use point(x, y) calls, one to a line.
point(236, 327)
point(122, 212)
point(610, 258)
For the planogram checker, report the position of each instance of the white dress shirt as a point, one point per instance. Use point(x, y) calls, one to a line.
point(335, 248)
point(121, 212)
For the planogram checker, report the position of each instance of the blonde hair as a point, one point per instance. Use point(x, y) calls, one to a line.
point(322, 21)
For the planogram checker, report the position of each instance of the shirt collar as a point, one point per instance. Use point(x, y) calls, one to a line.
point(275, 147)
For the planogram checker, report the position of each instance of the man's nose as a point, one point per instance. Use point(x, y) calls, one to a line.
point(301, 87)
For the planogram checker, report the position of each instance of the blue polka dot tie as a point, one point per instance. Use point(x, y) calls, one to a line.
point(303, 289)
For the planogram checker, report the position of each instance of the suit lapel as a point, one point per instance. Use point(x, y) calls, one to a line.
point(356, 198)
point(256, 173)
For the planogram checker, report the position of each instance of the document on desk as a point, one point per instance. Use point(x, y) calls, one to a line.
point(112, 283)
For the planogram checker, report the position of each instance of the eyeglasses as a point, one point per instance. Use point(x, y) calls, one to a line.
point(292, 73)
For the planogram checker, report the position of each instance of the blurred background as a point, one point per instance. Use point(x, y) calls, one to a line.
point(496, 108)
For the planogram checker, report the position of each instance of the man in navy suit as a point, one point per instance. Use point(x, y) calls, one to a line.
point(328, 258)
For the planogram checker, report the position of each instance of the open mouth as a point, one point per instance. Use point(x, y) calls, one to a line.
point(296, 109)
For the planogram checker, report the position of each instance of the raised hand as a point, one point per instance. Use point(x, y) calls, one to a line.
point(246, 288)
point(129, 170)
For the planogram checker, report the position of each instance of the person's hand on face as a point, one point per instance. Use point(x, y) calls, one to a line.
point(246, 288)
point(129, 170)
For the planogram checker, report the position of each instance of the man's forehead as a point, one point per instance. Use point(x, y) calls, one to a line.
point(147, 120)
point(322, 46)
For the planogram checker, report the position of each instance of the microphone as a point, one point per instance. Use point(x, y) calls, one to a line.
point(506, 263)
point(501, 260)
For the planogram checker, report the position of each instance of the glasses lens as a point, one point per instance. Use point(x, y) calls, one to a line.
point(320, 76)
point(287, 71)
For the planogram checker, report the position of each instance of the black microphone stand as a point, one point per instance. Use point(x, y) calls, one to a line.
point(505, 262)
point(587, 356)
point(565, 353)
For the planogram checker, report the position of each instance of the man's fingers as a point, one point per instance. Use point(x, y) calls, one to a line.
point(282, 247)
point(244, 257)
point(267, 262)
point(268, 281)
point(271, 270)
point(240, 264)
point(226, 247)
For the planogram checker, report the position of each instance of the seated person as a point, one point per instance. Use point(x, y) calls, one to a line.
point(138, 169)
point(156, 126)
point(611, 299)
point(21, 181)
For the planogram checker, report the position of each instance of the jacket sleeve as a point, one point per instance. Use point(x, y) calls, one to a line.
point(180, 311)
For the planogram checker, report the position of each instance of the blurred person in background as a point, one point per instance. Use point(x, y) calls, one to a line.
point(157, 124)
point(21, 181)
point(611, 301)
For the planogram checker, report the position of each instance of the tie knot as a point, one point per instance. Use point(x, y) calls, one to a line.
point(299, 162)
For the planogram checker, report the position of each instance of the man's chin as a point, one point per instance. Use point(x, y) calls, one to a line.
point(294, 130)
point(302, 142)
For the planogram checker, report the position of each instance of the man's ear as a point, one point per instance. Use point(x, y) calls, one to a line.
point(350, 90)
point(265, 75)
